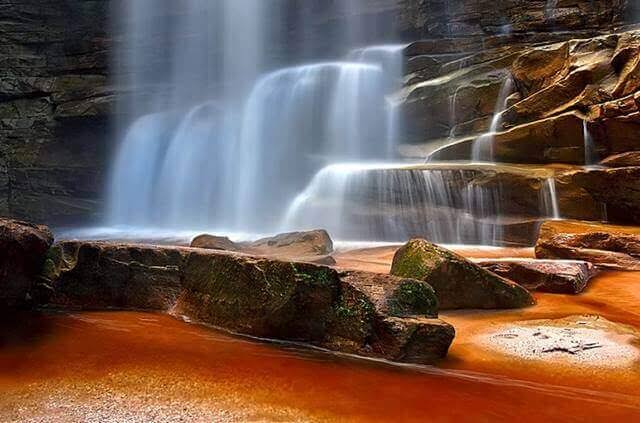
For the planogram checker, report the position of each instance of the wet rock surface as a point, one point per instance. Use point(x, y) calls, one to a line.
point(355, 312)
point(607, 246)
point(554, 276)
point(458, 283)
point(23, 250)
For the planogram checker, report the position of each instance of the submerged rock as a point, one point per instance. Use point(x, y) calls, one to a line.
point(555, 276)
point(589, 341)
point(458, 283)
point(23, 250)
point(355, 312)
point(608, 246)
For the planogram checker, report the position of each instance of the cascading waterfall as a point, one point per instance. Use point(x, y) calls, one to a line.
point(393, 202)
point(222, 146)
point(483, 149)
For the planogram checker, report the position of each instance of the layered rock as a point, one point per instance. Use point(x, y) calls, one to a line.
point(23, 250)
point(355, 312)
point(458, 283)
point(607, 246)
point(554, 276)
point(55, 106)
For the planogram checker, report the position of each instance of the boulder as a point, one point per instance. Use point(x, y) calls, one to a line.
point(212, 242)
point(309, 246)
point(554, 276)
point(295, 244)
point(23, 250)
point(607, 246)
point(354, 312)
point(458, 283)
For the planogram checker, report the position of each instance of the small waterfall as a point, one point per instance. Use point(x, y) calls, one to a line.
point(393, 202)
point(550, 199)
point(482, 150)
point(590, 152)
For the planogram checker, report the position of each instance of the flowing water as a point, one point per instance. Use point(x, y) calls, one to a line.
point(226, 142)
point(393, 202)
point(483, 149)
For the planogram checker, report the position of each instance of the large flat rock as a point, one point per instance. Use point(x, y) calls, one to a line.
point(355, 312)
point(607, 246)
point(554, 276)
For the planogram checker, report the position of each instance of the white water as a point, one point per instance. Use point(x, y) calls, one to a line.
point(590, 153)
point(220, 141)
point(392, 202)
point(483, 148)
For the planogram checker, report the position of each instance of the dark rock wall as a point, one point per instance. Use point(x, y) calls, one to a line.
point(56, 105)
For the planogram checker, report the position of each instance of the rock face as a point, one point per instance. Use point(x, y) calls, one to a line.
point(554, 276)
point(629, 159)
point(458, 283)
point(616, 188)
point(55, 106)
point(608, 246)
point(23, 249)
point(314, 246)
point(367, 314)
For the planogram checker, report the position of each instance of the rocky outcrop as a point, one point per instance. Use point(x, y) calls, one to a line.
point(355, 312)
point(629, 159)
point(616, 188)
point(55, 106)
point(311, 246)
point(607, 246)
point(458, 283)
point(23, 249)
point(554, 276)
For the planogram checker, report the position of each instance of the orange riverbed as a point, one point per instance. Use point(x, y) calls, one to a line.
point(128, 366)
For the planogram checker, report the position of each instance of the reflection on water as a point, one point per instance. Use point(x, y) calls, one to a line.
point(126, 365)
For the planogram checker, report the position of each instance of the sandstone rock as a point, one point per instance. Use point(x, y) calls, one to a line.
point(212, 242)
point(312, 246)
point(628, 159)
point(608, 246)
point(23, 249)
point(298, 244)
point(616, 188)
point(355, 312)
point(555, 276)
point(458, 283)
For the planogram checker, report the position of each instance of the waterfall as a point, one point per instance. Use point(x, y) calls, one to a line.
point(392, 202)
point(216, 138)
point(590, 153)
point(483, 149)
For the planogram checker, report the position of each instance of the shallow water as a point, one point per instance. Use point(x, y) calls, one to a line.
point(128, 366)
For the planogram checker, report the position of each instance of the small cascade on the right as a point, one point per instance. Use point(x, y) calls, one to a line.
point(483, 148)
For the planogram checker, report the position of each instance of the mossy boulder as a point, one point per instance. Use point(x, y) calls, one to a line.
point(255, 295)
point(458, 283)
